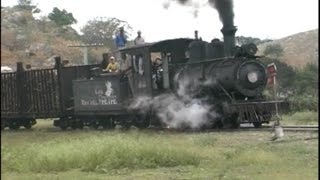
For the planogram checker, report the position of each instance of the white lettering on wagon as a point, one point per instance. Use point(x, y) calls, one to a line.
point(102, 96)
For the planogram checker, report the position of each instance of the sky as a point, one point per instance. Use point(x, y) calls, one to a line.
point(272, 19)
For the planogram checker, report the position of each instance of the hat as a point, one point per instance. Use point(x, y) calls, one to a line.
point(111, 57)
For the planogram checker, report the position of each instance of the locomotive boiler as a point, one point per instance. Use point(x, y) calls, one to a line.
point(238, 77)
point(235, 69)
point(228, 76)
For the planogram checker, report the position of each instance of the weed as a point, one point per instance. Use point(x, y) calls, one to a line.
point(305, 118)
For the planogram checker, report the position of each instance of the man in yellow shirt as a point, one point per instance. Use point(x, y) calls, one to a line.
point(113, 65)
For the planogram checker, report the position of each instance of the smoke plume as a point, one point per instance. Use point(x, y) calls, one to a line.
point(224, 8)
point(194, 5)
point(178, 111)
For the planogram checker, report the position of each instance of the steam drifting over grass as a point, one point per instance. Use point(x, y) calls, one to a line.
point(175, 112)
point(180, 110)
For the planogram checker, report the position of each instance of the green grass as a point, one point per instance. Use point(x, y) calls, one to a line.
point(88, 154)
point(98, 152)
point(301, 118)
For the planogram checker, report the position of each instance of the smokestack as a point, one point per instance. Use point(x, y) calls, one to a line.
point(229, 39)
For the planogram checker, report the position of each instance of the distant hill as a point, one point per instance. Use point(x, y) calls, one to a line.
point(298, 49)
point(38, 41)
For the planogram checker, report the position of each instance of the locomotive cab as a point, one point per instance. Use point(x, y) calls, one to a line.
point(149, 78)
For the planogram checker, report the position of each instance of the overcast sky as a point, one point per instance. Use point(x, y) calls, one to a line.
point(271, 19)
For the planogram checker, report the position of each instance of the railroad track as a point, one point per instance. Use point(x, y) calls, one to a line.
point(299, 127)
point(311, 128)
point(270, 128)
point(294, 128)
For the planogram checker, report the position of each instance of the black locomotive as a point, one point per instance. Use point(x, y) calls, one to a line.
point(224, 77)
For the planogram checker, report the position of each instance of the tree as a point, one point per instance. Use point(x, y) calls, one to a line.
point(24, 2)
point(102, 30)
point(306, 90)
point(241, 40)
point(307, 80)
point(61, 18)
point(273, 50)
point(28, 5)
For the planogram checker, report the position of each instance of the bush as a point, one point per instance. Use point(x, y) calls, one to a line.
point(274, 50)
point(61, 17)
point(306, 117)
point(303, 103)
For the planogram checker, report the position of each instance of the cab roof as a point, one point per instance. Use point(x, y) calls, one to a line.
point(165, 45)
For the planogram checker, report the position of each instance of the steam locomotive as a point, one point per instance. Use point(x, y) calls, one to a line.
point(224, 78)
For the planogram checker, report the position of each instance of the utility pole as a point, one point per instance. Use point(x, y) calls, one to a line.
point(85, 50)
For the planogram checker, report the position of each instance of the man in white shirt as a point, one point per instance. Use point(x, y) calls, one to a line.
point(138, 40)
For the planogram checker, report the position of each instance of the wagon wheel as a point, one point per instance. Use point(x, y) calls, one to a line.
point(257, 124)
point(14, 126)
point(63, 125)
point(80, 124)
point(125, 125)
point(94, 125)
point(235, 125)
point(74, 126)
point(108, 123)
point(214, 122)
point(142, 121)
point(143, 125)
point(27, 125)
point(125, 121)
point(231, 121)
point(217, 124)
point(3, 124)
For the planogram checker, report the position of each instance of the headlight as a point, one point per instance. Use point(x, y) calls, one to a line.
point(252, 77)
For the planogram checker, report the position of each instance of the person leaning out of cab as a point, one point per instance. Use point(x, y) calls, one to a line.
point(112, 66)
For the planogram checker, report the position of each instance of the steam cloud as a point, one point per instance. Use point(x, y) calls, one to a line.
point(224, 8)
point(178, 111)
